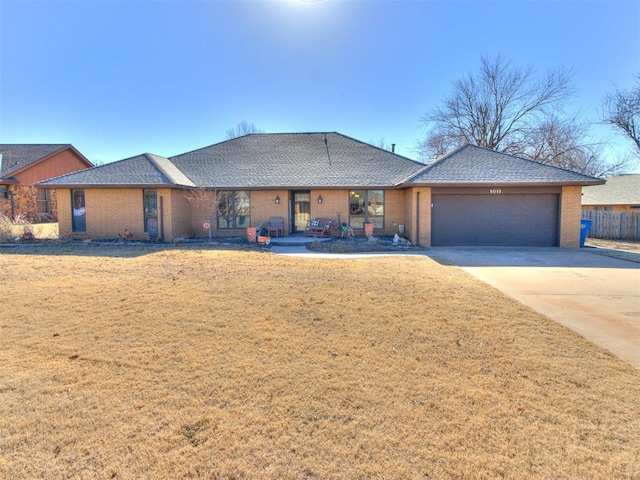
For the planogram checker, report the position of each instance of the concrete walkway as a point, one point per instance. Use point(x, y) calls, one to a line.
point(588, 290)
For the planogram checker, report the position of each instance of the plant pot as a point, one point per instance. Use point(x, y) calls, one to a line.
point(251, 234)
point(368, 229)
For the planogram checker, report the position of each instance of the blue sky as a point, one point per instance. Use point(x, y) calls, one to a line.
point(117, 78)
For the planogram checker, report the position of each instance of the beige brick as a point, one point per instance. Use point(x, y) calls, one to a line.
point(570, 215)
point(418, 213)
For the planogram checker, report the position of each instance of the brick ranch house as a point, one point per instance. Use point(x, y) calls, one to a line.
point(472, 196)
point(22, 166)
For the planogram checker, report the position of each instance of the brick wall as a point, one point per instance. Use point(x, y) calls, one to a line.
point(177, 216)
point(264, 206)
point(110, 211)
point(337, 201)
point(64, 212)
point(570, 215)
point(418, 225)
point(394, 210)
point(23, 200)
point(334, 202)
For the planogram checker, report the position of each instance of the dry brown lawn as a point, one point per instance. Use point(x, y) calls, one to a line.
point(137, 362)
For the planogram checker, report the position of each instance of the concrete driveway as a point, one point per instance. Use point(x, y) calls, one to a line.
point(584, 289)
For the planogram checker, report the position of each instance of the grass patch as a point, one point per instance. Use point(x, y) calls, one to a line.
point(183, 363)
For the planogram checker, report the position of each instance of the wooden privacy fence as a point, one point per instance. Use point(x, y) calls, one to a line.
point(613, 225)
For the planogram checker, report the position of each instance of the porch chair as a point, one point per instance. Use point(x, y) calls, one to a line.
point(275, 227)
point(318, 227)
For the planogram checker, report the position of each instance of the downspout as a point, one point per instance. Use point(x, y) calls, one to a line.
point(418, 218)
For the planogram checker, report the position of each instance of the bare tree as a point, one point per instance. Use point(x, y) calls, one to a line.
point(243, 128)
point(514, 110)
point(204, 202)
point(218, 206)
point(381, 143)
point(563, 142)
point(496, 108)
point(622, 111)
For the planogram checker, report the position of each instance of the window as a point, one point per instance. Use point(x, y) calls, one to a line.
point(44, 205)
point(4, 192)
point(234, 210)
point(79, 214)
point(366, 206)
point(150, 205)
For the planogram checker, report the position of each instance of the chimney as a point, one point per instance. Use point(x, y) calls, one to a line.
point(393, 148)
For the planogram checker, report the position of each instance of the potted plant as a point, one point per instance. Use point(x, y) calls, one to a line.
point(368, 229)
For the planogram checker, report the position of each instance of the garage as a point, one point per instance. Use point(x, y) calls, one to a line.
point(495, 217)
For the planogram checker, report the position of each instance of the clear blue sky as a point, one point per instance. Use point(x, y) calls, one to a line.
point(117, 78)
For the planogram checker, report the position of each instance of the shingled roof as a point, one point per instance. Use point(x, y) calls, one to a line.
point(620, 190)
point(16, 157)
point(317, 160)
point(269, 160)
point(294, 160)
point(144, 170)
point(470, 165)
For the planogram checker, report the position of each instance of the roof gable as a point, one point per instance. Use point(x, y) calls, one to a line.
point(17, 157)
point(472, 165)
point(620, 190)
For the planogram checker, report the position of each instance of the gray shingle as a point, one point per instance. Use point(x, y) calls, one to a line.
point(18, 156)
point(470, 165)
point(139, 170)
point(620, 190)
point(304, 160)
point(294, 160)
point(289, 160)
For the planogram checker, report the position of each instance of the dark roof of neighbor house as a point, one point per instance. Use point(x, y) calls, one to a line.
point(16, 157)
point(267, 160)
point(318, 160)
point(470, 165)
point(620, 190)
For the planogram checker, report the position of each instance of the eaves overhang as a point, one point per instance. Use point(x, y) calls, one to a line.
point(298, 187)
point(103, 186)
point(580, 183)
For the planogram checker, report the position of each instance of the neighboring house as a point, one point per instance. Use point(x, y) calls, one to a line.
point(22, 166)
point(472, 196)
point(619, 194)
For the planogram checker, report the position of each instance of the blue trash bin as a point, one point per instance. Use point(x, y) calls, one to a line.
point(585, 226)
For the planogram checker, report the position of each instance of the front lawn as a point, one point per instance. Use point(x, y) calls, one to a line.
point(143, 362)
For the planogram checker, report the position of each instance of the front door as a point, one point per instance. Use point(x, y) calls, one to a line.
point(301, 206)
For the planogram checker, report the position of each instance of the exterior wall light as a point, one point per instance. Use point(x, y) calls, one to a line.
point(319, 198)
point(277, 198)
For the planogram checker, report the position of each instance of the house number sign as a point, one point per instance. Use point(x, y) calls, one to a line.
point(495, 191)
